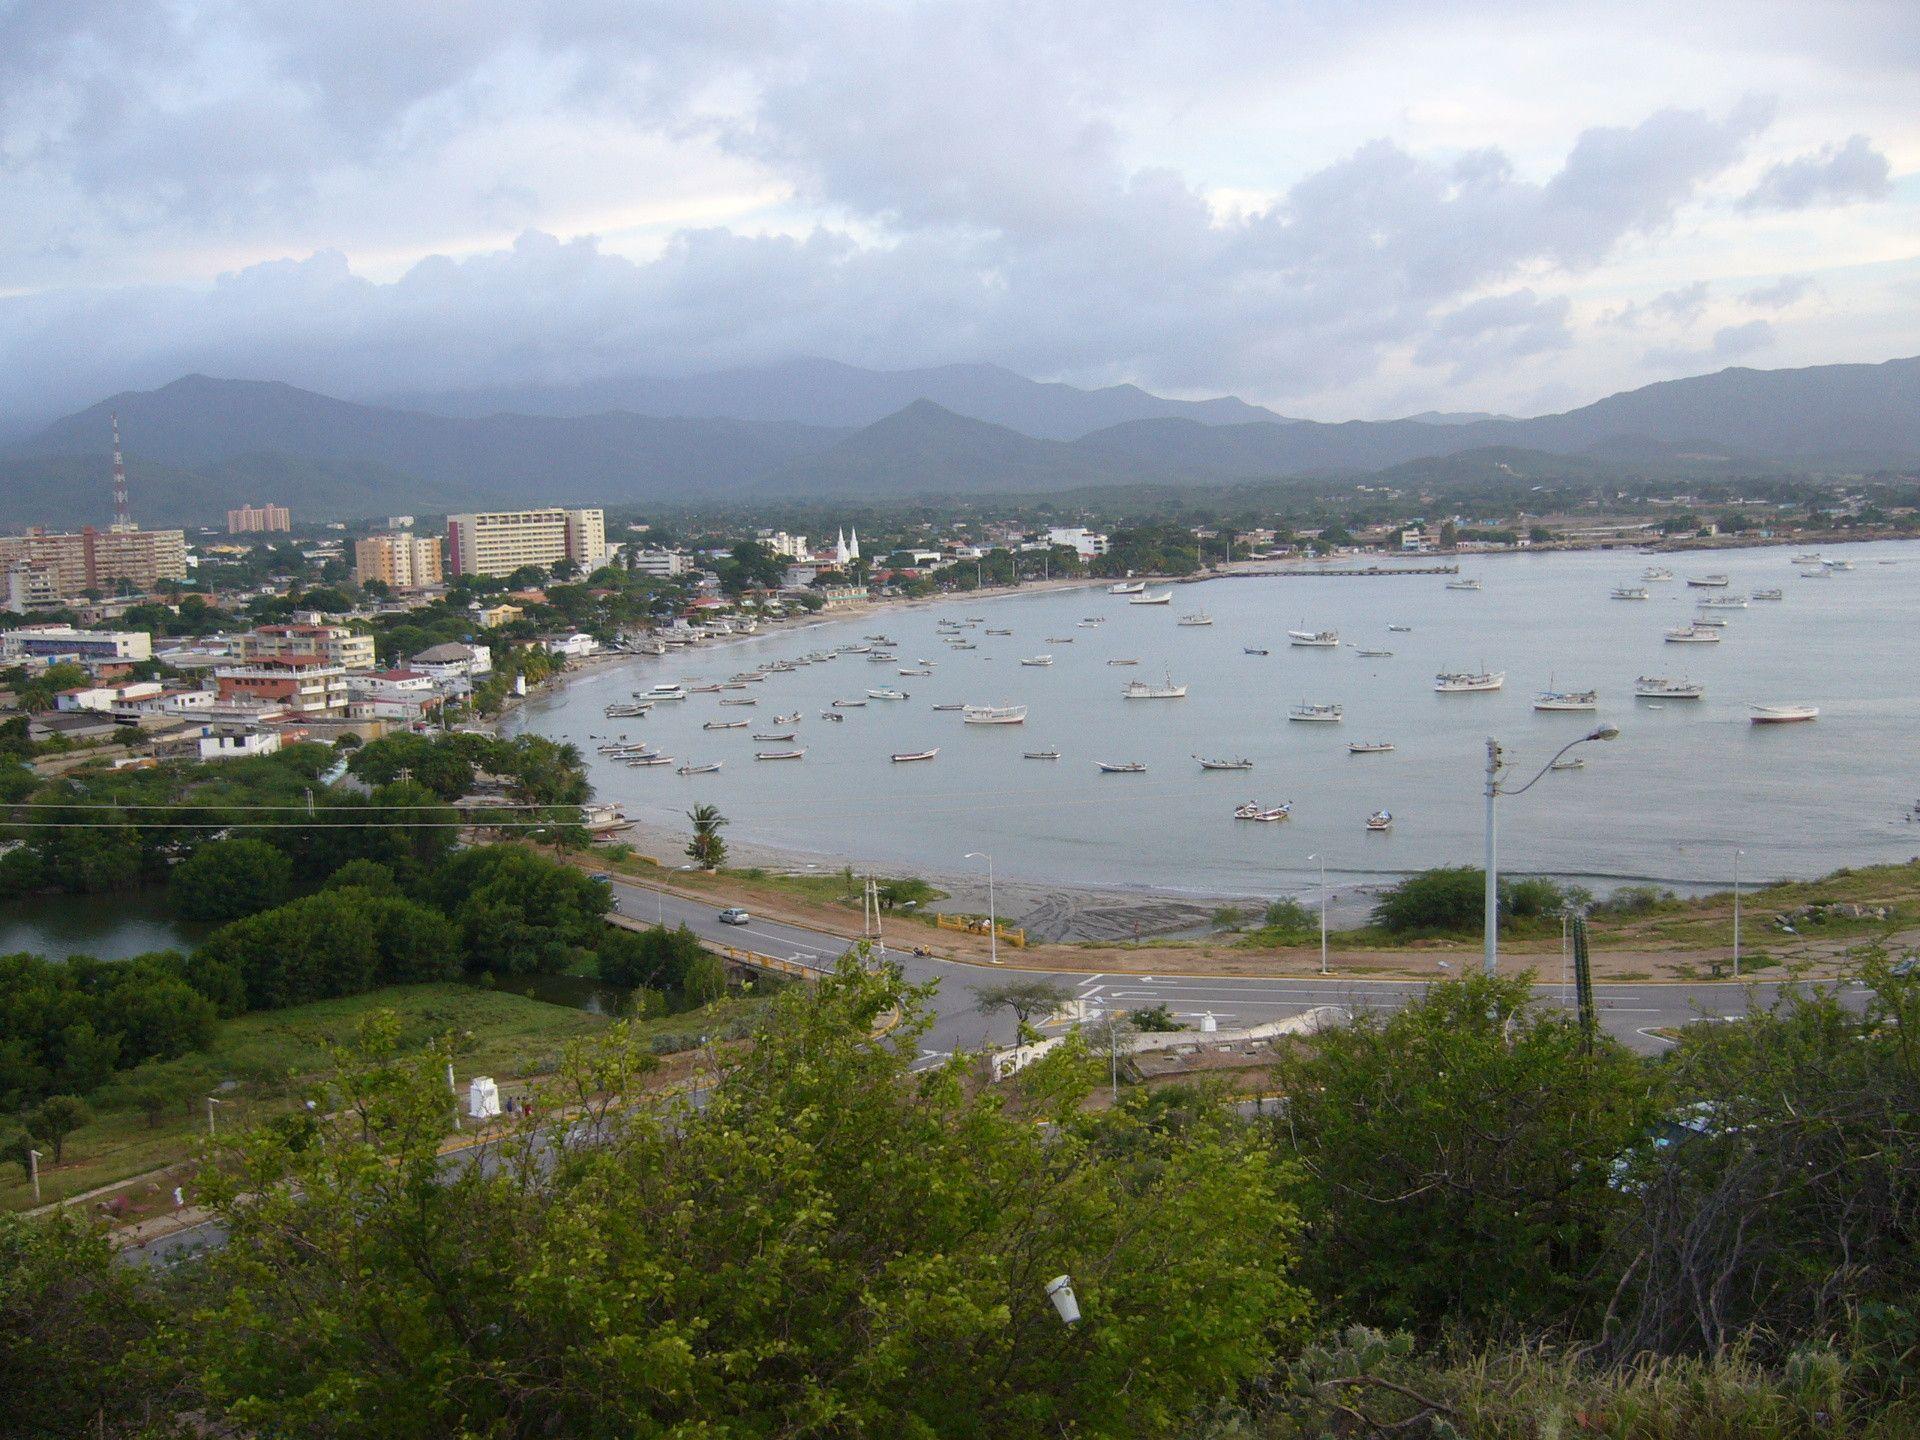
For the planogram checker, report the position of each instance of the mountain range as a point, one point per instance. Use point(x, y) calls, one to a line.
point(199, 445)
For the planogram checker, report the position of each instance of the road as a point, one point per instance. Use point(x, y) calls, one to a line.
point(1628, 1012)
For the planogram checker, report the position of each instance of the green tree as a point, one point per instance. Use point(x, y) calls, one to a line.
point(830, 1244)
point(1457, 1157)
point(226, 879)
point(657, 958)
point(1024, 999)
point(1452, 899)
point(54, 1119)
point(520, 913)
point(707, 849)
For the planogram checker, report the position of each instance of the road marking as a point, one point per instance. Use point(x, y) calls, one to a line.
point(1091, 978)
point(1089, 993)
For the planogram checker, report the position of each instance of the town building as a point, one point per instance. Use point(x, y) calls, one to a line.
point(1085, 543)
point(499, 542)
point(572, 647)
point(491, 616)
point(107, 699)
point(259, 519)
point(98, 559)
point(787, 547)
point(63, 642)
point(407, 696)
point(336, 644)
point(31, 586)
point(400, 560)
point(452, 661)
point(237, 742)
point(661, 564)
point(304, 684)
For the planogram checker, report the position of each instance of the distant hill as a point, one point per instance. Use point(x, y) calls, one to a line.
point(199, 445)
point(820, 392)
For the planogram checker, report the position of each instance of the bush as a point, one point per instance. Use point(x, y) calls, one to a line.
point(1289, 914)
point(1632, 900)
point(228, 879)
point(338, 942)
point(1451, 901)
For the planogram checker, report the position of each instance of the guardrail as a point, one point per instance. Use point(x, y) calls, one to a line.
point(752, 959)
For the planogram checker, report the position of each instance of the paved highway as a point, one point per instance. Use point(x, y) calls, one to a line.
point(1629, 1012)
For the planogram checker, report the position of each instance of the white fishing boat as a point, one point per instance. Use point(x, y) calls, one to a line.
point(1123, 662)
point(1370, 747)
point(848, 704)
point(642, 760)
point(1662, 687)
point(833, 715)
point(1000, 632)
point(774, 737)
point(725, 724)
point(1401, 629)
point(1708, 582)
point(1313, 639)
point(1244, 650)
point(1461, 682)
point(1374, 654)
point(1695, 634)
point(1198, 617)
point(1838, 564)
point(1784, 714)
point(671, 690)
point(1566, 700)
point(739, 702)
point(1632, 592)
point(914, 670)
point(1380, 820)
point(1146, 690)
point(1128, 587)
point(1724, 602)
point(1656, 573)
point(699, 690)
point(1712, 622)
point(1038, 661)
point(1317, 714)
point(1463, 585)
point(793, 719)
point(1131, 767)
point(995, 715)
point(1568, 762)
point(1043, 754)
point(1160, 597)
point(901, 757)
point(884, 693)
point(699, 769)
point(1207, 764)
point(779, 754)
point(1769, 595)
point(1268, 814)
point(952, 705)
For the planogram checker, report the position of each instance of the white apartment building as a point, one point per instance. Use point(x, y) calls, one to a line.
point(499, 542)
point(336, 644)
point(63, 642)
point(1084, 543)
point(661, 564)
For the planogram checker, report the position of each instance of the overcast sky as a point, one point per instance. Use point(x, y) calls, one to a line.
point(1339, 209)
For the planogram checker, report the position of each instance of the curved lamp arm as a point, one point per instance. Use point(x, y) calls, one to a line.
point(1605, 732)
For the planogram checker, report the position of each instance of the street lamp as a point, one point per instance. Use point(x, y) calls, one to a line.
point(660, 897)
point(1323, 911)
point(211, 1102)
point(1736, 912)
point(993, 915)
point(1491, 959)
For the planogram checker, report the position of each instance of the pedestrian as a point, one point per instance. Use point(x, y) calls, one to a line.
point(179, 1199)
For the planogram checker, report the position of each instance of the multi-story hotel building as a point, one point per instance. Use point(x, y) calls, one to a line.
point(258, 519)
point(335, 644)
point(498, 542)
point(99, 559)
point(306, 684)
point(400, 561)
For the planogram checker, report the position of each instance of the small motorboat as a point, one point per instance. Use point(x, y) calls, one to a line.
point(901, 757)
point(1043, 755)
point(699, 769)
point(1059, 639)
point(1317, 714)
point(1125, 662)
point(1769, 595)
point(1038, 660)
point(1198, 617)
point(833, 715)
point(639, 760)
point(724, 725)
point(921, 670)
point(1206, 764)
point(1314, 639)
point(1131, 767)
point(793, 719)
point(1380, 820)
point(774, 738)
point(1375, 654)
point(1244, 649)
point(1568, 762)
point(1160, 597)
point(1401, 629)
point(779, 754)
point(1269, 814)
point(885, 693)
point(1128, 587)
point(848, 704)
point(739, 702)
point(1784, 714)
point(1370, 747)
point(1459, 585)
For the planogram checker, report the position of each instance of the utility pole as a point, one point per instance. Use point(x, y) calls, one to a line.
point(33, 1173)
point(1736, 912)
point(1490, 905)
point(1583, 980)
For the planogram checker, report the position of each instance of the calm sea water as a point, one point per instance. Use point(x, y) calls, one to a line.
point(1684, 786)
point(108, 927)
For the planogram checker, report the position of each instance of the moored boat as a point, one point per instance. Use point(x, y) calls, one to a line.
point(1207, 764)
point(1130, 767)
point(996, 714)
point(1463, 585)
point(1128, 587)
point(1784, 714)
point(1038, 661)
point(1252, 811)
point(1370, 747)
point(724, 725)
point(1380, 820)
point(901, 757)
point(1043, 754)
point(779, 754)
point(691, 769)
point(1460, 682)
point(1566, 700)
point(1632, 592)
point(887, 693)
point(1708, 582)
point(1198, 617)
point(1317, 714)
point(1146, 690)
point(1661, 687)
point(1694, 634)
point(1313, 639)
point(1244, 650)
point(1158, 597)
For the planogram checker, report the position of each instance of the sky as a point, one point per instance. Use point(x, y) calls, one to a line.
point(1342, 209)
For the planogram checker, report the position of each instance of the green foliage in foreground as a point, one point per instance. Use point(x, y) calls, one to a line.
point(1452, 899)
point(832, 1245)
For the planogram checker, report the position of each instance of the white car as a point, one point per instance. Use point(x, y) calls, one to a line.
point(734, 915)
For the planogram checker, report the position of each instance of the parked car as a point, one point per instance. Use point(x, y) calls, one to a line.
point(734, 915)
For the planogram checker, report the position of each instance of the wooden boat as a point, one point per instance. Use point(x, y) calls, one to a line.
point(779, 754)
point(724, 725)
point(1207, 764)
point(1131, 767)
point(774, 738)
point(1043, 755)
point(901, 757)
point(1370, 747)
point(1784, 714)
point(1380, 820)
point(1268, 814)
point(699, 769)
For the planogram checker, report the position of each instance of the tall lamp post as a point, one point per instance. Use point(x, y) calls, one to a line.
point(1323, 910)
point(993, 915)
point(1491, 959)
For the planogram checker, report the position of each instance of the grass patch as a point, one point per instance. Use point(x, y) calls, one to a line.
point(270, 1054)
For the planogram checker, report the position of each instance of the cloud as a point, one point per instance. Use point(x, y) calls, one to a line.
point(1681, 307)
point(1494, 332)
point(1787, 291)
point(1837, 175)
point(1730, 342)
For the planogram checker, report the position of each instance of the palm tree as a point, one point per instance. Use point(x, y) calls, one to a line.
point(707, 849)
